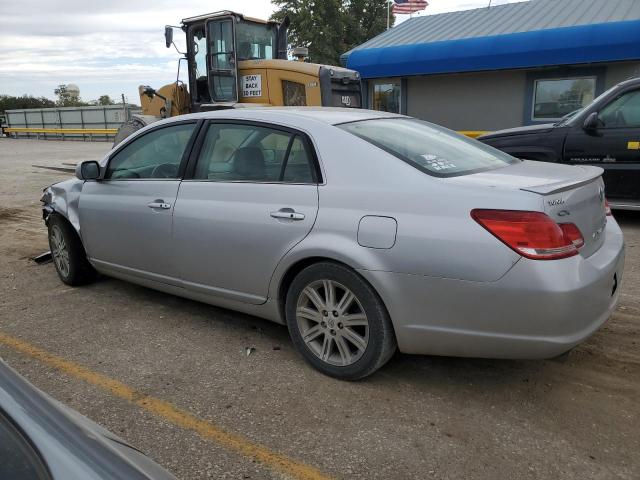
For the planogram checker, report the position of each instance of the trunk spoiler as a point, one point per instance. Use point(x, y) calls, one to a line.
point(589, 174)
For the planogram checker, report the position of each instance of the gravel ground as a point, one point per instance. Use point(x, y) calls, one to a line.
point(418, 417)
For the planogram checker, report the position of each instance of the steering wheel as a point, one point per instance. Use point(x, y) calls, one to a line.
point(164, 170)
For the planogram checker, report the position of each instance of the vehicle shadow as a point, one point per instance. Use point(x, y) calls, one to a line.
point(402, 368)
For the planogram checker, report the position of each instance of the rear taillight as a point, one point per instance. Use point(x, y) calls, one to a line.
point(572, 233)
point(607, 208)
point(531, 234)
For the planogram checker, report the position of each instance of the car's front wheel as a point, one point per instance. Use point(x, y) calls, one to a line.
point(338, 322)
point(68, 253)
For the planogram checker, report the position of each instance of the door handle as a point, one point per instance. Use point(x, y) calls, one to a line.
point(288, 214)
point(159, 204)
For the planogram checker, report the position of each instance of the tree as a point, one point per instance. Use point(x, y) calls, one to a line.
point(8, 102)
point(105, 100)
point(67, 97)
point(365, 20)
point(329, 28)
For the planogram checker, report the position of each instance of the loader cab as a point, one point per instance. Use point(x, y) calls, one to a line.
point(215, 45)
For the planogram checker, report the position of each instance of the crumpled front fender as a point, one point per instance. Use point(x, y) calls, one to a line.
point(63, 198)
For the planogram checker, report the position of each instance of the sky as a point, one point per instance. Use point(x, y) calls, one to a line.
point(110, 47)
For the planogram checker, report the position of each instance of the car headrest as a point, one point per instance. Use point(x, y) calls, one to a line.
point(249, 163)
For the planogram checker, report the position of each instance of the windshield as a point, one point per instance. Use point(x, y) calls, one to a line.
point(431, 149)
point(256, 41)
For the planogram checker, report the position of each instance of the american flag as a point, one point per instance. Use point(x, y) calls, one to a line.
point(408, 6)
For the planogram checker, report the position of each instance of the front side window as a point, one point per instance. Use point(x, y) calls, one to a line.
point(294, 94)
point(555, 98)
point(17, 458)
point(250, 153)
point(156, 154)
point(386, 97)
point(623, 112)
point(431, 149)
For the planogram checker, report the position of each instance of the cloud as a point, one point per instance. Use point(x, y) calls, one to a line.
point(104, 47)
point(109, 47)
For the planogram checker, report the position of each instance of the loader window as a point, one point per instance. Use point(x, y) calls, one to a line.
point(222, 77)
point(199, 66)
point(294, 94)
point(256, 41)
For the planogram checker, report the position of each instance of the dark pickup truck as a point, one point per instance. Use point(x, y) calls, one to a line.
point(605, 133)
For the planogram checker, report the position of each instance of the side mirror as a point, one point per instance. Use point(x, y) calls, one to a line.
point(168, 35)
point(592, 122)
point(89, 170)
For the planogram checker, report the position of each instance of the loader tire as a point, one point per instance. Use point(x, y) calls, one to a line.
point(127, 129)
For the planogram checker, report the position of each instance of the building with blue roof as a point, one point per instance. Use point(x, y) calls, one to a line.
point(508, 65)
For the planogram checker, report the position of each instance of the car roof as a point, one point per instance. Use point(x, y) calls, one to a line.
point(629, 81)
point(328, 115)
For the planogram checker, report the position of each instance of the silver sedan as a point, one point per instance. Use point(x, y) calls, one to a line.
point(361, 231)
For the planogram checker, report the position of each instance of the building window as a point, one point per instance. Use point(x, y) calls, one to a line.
point(555, 98)
point(386, 96)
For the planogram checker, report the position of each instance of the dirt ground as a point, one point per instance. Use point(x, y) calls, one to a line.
point(418, 417)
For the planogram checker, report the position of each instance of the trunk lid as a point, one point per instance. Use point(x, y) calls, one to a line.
point(582, 204)
point(571, 194)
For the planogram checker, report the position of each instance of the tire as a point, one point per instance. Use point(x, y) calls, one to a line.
point(127, 129)
point(68, 254)
point(346, 337)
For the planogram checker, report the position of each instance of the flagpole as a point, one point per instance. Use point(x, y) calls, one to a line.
point(388, 3)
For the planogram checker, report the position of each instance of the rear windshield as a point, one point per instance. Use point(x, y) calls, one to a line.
point(432, 149)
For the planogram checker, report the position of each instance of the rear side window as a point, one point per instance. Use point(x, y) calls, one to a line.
point(251, 153)
point(429, 148)
point(17, 458)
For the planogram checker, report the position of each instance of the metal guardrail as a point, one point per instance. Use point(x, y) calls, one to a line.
point(62, 131)
point(113, 131)
point(59, 133)
point(473, 133)
point(91, 123)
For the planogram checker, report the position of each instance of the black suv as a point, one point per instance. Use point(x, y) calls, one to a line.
point(605, 133)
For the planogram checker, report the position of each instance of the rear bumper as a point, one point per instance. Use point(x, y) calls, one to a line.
point(539, 309)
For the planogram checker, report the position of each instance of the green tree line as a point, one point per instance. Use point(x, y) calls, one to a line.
point(9, 102)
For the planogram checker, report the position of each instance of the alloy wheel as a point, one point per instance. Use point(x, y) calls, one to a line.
point(332, 322)
point(59, 251)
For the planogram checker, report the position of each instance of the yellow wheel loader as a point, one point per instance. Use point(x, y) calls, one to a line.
point(235, 61)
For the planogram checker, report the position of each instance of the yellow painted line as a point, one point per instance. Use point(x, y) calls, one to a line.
point(473, 133)
point(170, 412)
point(68, 131)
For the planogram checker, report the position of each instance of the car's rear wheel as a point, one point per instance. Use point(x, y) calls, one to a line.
point(68, 254)
point(338, 322)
